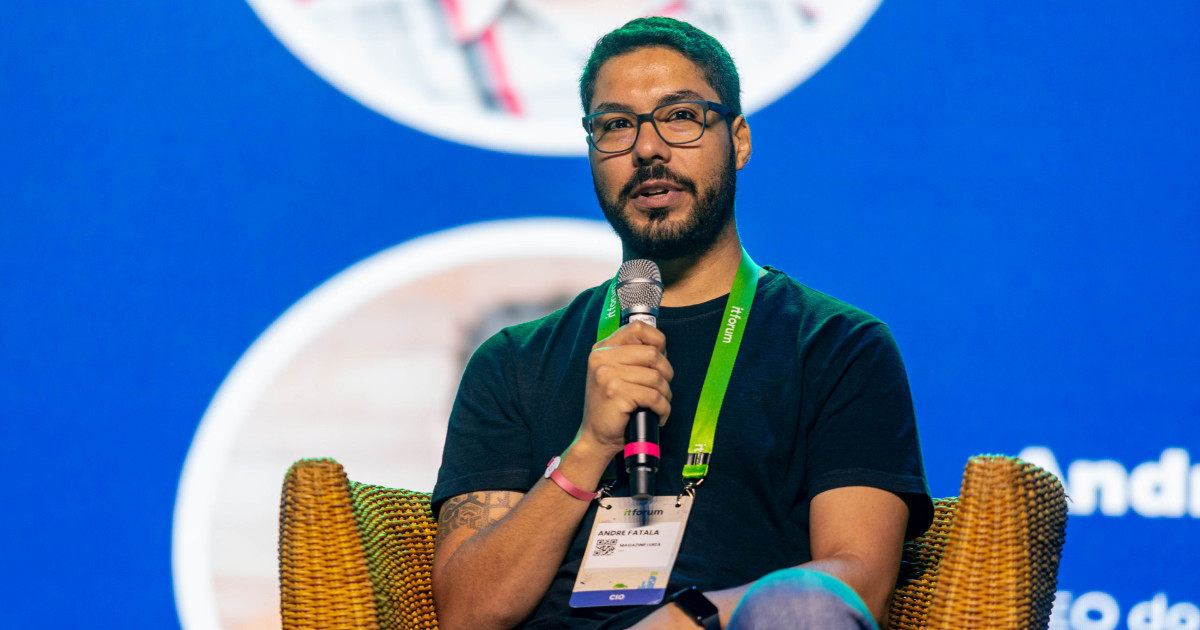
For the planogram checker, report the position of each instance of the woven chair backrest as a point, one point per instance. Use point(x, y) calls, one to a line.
point(1000, 565)
point(354, 555)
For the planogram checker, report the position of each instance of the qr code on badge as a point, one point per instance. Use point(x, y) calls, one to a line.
point(605, 547)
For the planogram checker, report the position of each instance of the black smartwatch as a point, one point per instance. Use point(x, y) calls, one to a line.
point(698, 607)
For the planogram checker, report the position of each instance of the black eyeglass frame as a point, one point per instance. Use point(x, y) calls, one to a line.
point(709, 106)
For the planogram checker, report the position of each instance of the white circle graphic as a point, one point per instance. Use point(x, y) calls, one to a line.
point(502, 74)
point(362, 369)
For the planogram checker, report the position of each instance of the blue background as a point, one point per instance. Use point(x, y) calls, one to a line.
point(1014, 189)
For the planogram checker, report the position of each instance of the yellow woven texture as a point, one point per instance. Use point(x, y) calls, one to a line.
point(919, 570)
point(398, 532)
point(359, 556)
point(1001, 561)
point(323, 578)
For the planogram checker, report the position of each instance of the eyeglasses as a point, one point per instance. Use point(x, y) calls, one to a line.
point(676, 123)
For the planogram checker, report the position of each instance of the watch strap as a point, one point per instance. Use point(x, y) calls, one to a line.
point(700, 608)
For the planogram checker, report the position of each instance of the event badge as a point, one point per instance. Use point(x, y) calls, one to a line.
point(627, 562)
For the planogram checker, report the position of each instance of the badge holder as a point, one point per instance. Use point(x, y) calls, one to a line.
point(626, 562)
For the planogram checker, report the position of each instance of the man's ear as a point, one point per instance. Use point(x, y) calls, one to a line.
point(740, 134)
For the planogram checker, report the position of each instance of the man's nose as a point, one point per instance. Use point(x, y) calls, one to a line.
point(650, 147)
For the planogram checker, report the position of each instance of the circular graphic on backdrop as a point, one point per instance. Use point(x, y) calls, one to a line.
point(503, 74)
point(364, 370)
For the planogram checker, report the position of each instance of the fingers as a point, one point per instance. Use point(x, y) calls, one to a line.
point(631, 356)
point(631, 387)
point(626, 371)
point(635, 343)
point(635, 333)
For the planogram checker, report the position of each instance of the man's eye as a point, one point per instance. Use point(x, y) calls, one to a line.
point(616, 123)
point(683, 113)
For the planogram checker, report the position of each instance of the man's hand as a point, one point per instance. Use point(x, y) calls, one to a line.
point(627, 371)
point(672, 617)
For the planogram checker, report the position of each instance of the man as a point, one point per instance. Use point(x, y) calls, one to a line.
point(815, 476)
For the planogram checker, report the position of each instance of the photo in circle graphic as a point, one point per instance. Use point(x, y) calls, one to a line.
point(503, 74)
point(364, 370)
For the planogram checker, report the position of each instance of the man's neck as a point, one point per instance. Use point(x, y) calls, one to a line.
point(695, 279)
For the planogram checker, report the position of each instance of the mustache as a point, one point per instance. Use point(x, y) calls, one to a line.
point(655, 171)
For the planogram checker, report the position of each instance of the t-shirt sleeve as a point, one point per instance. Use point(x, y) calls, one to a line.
point(865, 431)
point(488, 438)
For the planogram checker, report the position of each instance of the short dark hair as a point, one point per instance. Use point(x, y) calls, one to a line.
point(700, 47)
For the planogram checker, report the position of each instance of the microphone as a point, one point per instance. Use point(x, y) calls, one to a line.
point(639, 292)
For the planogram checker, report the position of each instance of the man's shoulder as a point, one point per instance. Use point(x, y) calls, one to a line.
point(813, 307)
point(538, 334)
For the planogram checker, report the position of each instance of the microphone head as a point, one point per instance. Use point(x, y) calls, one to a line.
point(639, 290)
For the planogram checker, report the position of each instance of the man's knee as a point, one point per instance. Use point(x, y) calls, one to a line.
point(800, 598)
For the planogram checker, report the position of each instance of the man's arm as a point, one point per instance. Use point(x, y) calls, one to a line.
point(856, 535)
point(499, 551)
point(496, 552)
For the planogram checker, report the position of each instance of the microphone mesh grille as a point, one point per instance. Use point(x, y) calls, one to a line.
point(639, 282)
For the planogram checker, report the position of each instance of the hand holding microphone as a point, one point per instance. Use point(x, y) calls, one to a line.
point(628, 372)
point(639, 292)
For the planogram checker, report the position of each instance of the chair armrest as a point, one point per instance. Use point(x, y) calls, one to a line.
point(323, 576)
point(1000, 566)
point(919, 570)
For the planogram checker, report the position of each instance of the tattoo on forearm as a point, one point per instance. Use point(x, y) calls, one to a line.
point(474, 510)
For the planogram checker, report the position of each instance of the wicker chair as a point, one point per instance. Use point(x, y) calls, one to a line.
point(353, 555)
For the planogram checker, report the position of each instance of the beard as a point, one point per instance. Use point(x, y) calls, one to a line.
point(666, 240)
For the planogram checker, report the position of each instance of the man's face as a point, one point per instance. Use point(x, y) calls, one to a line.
point(665, 201)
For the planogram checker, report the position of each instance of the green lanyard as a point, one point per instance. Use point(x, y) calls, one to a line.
point(720, 367)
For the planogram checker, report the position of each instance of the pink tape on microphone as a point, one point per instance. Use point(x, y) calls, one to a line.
point(640, 448)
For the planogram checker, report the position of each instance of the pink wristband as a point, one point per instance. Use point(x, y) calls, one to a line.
point(572, 489)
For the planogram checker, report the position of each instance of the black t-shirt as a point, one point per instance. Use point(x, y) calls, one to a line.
point(818, 400)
